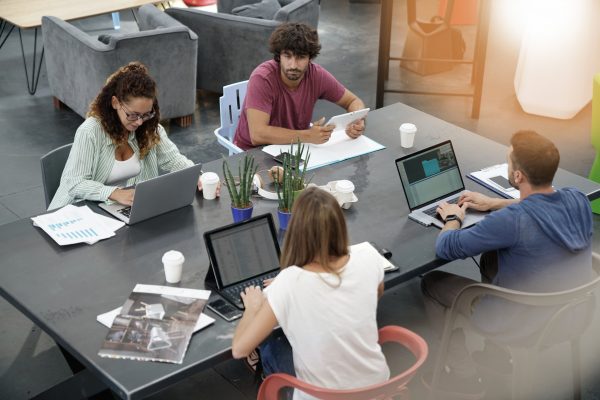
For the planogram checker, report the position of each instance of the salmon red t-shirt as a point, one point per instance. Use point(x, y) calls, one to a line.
point(291, 109)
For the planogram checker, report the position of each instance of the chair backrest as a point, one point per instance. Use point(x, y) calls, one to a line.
point(563, 304)
point(231, 108)
point(389, 334)
point(52, 165)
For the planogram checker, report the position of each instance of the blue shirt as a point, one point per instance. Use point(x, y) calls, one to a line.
point(543, 245)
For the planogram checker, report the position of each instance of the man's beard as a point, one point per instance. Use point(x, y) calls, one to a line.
point(293, 74)
point(512, 182)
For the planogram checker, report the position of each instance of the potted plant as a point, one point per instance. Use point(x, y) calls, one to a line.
point(241, 206)
point(290, 181)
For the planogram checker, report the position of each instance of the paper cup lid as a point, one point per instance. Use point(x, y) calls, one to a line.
point(408, 128)
point(173, 256)
point(210, 177)
point(344, 186)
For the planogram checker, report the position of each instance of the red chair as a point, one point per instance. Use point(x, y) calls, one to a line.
point(397, 385)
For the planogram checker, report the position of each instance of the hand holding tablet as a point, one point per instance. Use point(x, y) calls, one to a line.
point(343, 120)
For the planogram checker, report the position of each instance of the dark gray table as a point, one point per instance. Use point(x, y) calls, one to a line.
point(63, 289)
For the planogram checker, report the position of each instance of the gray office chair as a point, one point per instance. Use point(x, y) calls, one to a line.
point(52, 165)
point(231, 46)
point(558, 328)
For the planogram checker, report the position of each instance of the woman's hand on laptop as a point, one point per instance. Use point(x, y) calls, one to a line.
point(267, 282)
point(356, 128)
point(123, 196)
point(253, 298)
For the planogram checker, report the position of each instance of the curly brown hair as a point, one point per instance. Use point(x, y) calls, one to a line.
point(129, 81)
point(300, 39)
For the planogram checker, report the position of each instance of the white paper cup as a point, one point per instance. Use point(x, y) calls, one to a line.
point(173, 263)
point(344, 190)
point(407, 135)
point(210, 181)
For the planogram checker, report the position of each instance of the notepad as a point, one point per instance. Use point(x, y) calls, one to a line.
point(338, 148)
point(495, 178)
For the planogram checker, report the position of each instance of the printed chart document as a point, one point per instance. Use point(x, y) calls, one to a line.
point(495, 178)
point(71, 224)
point(155, 324)
point(338, 148)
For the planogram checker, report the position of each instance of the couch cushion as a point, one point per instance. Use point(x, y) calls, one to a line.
point(266, 9)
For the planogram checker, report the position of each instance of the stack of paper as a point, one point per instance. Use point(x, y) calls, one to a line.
point(338, 148)
point(70, 225)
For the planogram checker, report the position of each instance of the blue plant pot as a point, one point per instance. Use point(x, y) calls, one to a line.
point(284, 219)
point(241, 214)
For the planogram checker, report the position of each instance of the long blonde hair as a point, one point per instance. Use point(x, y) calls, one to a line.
point(317, 231)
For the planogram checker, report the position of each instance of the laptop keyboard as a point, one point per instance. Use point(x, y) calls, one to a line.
point(431, 211)
point(233, 293)
point(125, 211)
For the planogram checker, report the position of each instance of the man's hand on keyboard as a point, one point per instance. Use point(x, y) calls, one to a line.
point(481, 202)
point(476, 201)
point(253, 298)
point(445, 209)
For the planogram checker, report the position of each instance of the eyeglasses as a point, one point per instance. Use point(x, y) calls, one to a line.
point(135, 116)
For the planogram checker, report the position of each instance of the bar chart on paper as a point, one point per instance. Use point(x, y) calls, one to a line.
point(71, 224)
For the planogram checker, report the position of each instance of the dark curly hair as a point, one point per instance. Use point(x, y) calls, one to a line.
point(129, 81)
point(300, 39)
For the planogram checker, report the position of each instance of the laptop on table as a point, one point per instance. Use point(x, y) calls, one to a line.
point(242, 255)
point(158, 195)
point(429, 177)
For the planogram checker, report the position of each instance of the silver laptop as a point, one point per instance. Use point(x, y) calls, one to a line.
point(158, 195)
point(430, 177)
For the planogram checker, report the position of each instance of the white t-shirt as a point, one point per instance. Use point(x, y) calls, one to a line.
point(332, 330)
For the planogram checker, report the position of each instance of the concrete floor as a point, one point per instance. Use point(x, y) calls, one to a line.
point(30, 126)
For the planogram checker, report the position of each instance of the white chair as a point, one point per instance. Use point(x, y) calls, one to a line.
point(231, 108)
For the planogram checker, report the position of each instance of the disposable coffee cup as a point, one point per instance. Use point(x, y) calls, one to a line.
point(407, 135)
point(173, 263)
point(210, 181)
point(344, 190)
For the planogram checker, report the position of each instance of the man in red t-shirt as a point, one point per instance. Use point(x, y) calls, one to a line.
point(282, 93)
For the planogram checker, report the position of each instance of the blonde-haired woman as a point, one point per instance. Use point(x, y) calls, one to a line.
point(324, 299)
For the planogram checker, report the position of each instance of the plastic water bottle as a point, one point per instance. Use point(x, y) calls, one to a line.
point(116, 20)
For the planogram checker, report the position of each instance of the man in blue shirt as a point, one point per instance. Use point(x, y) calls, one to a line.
point(540, 243)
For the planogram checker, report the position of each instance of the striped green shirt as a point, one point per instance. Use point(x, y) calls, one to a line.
point(93, 155)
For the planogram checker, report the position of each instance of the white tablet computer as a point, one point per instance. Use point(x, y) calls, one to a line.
point(340, 121)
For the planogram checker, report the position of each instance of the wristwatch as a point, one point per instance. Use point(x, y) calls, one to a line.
point(453, 217)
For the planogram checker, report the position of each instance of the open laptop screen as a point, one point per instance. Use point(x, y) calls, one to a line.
point(242, 251)
point(430, 175)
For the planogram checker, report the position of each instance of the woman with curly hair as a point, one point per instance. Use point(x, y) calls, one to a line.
point(120, 143)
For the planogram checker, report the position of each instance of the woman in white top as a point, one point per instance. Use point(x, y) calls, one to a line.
point(120, 144)
point(324, 299)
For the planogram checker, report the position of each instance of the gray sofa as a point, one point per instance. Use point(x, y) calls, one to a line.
point(231, 46)
point(78, 64)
